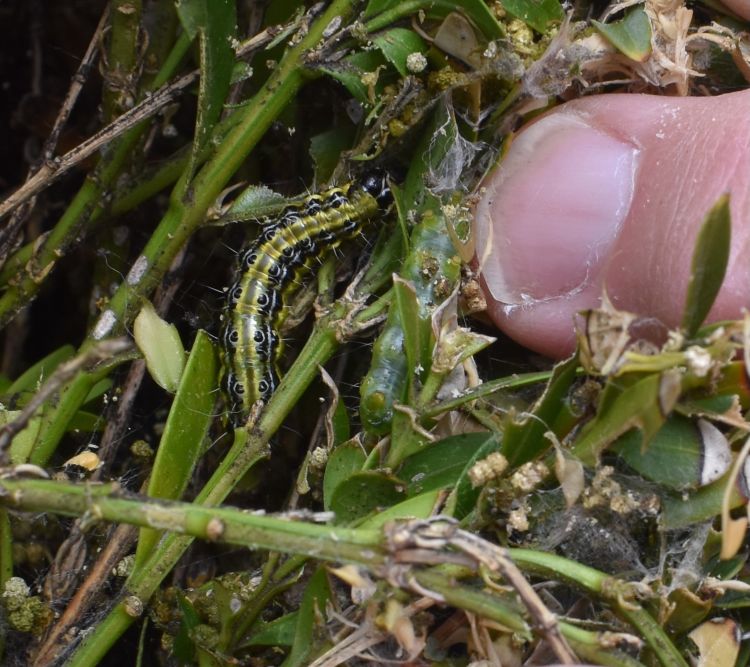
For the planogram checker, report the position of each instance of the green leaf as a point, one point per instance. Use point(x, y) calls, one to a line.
point(100, 388)
point(279, 632)
point(253, 203)
point(441, 464)
point(340, 424)
point(326, 148)
point(214, 21)
point(465, 494)
point(89, 422)
point(631, 35)
point(682, 509)
point(161, 347)
point(363, 493)
point(677, 454)
point(342, 463)
point(6, 549)
point(388, 11)
point(710, 260)
point(183, 646)
point(40, 371)
point(416, 334)
point(24, 442)
point(523, 440)
point(397, 45)
point(184, 433)
point(351, 70)
point(312, 607)
point(645, 405)
point(536, 13)
point(418, 507)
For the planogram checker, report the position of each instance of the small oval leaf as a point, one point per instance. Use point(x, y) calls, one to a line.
point(397, 45)
point(343, 462)
point(710, 260)
point(631, 35)
point(363, 493)
point(161, 347)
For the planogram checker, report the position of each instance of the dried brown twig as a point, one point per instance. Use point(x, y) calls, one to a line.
point(53, 168)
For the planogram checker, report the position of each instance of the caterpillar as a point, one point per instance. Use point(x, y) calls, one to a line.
point(270, 271)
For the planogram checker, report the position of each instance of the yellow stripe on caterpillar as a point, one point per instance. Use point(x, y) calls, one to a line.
point(270, 271)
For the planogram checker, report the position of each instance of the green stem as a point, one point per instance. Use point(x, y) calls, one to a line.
point(106, 502)
point(620, 594)
point(546, 564)
point(363, 547)
point(653, 634)
point(185, 215)
point(483, 604)
point(486, 389)
point(153, 182)
point(588, 646)
point(410, 7)
point(122, 57)
point(247, 450)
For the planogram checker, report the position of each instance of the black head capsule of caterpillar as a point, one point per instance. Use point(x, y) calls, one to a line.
point(376, 184)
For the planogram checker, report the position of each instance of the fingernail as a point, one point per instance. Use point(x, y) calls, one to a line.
point(551, 212)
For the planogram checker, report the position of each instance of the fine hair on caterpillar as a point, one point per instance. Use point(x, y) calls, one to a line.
point(271, 269)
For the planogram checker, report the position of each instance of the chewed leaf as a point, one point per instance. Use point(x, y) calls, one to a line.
point(161, 347)
point(457, 38)
point(252, 203)
point(710, 260)
point(631, 35)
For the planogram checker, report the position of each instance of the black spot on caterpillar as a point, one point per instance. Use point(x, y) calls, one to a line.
point(269, 272)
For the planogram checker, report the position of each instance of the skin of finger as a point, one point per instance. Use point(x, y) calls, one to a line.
point(691, 150)
point(739, 7)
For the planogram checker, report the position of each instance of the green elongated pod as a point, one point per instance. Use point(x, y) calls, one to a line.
point(433, 267)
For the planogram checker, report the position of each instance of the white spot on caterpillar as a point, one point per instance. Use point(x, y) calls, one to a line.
point(104, 324)
point(137, 270)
